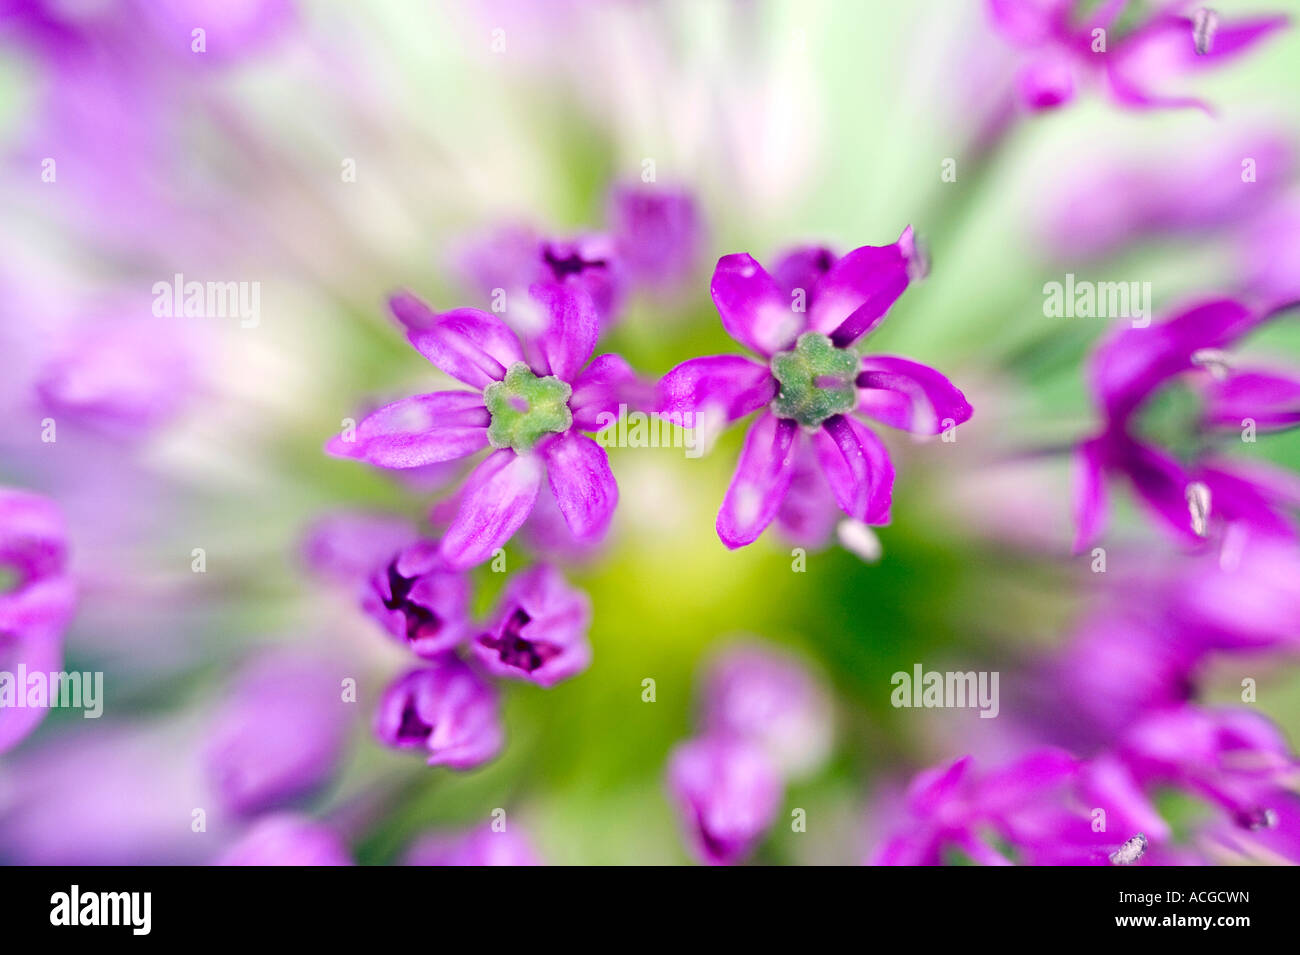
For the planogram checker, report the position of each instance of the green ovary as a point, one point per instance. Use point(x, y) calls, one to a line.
point(817, 380)
point(526, 408)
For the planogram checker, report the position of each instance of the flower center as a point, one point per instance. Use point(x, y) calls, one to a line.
point(817, 380)
point(524, 408)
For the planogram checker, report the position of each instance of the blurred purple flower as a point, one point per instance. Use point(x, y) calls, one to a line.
point(36, 600)
point(766, 696)
point(727, 792)
point(1066, 42)
point(540, 630)
point(287, 839)
point(531, 412)
point(1127, 370)
point(481, 846)
point(507, 263)
point(279, 735)
point(812, 379)
point(445, 709)
point(346, 546)
point(658, 234)
point(419, 600)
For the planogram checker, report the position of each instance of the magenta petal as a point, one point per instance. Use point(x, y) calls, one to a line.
point(857, 467)
point(762, 477)
point(1090, 509)
point(1270, 399)
point(420, 430)
point(1161, 484)
point(603, 386)
point(855, 294)
point(732, 385)
point(411, 311)
point(1134, 361)
point(569, 337)
point(1046, 83)
point(582, 483)
point(497, 499)
point(470, 345)
point(908, 395)
point(754, 309)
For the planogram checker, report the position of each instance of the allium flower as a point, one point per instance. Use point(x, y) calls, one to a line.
point(36, 599)
point(810, 380)
point(513, 259)
point(445, 709)
point(540, 630)
point(1128, 370)
point(419, 600)
point(1068, 41)
point(482, 846)
point(530, 410)
point(287, 839)
point(766, 696)
point(345, 547)
point(1229, 756)
point(1028, 806)
point(657, 232)
point(728, 793)
point(279, 734)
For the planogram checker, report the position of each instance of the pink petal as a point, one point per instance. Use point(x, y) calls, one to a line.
point(858, 469)
point(417, 431)
point(853, 297)
point(582, 483)
point(734, 385)
point(754, 309)
point(569, 337)
point(497, 499)
point(908, 395)
point(762, 477)
point(470, 345)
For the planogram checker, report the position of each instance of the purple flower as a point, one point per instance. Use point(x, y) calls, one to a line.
point(727, 792)
point(1032, 807)
point(657, 232)
point(419, 600)
point(1229, 756)
point(810, 380)
point(514, 258)
point(36, 599)
point(1066, 42)
point(446, 709)
point(1128, 370)
point(279, 734)
point(287, 839)
point(346, 546)
point(540, 630)
point(766, 696)
point(481, 846)
point(533, 401)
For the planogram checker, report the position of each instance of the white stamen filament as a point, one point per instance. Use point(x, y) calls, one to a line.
point(1198, 505)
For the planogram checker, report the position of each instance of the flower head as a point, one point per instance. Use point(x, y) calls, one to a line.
point(279, 734)
point(1134, 377)
point(419, 600)
point(728, 793)
point(484, 846)
point(540, 630)
point(36, 599)
point(445, 709)
point(1065, 42)
point(533, 400)
point(811, 381)
point(287, 839)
